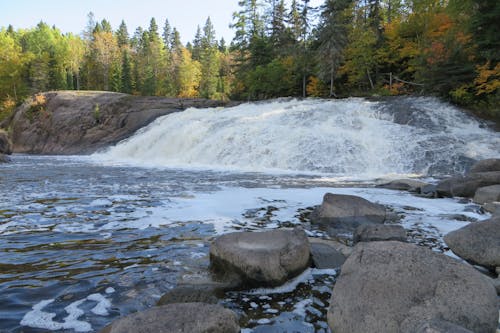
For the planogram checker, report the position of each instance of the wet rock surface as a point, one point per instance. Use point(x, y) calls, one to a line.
point(397, 287)
point(477, 242)
point(344, 213)
point(82, 122)
point(375, 233)
point(181, 317)
point(5, 143)
point(487, 194)
point(260, 258)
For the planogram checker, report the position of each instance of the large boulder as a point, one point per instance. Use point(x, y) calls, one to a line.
point(491, 164)
point(182, 317)
point(466, 186)
point(478, 242)
point(255, 259)
point(341, 213)
point(394, 287)
point(82, 122)
point(487, 194)
point(5, 144)
point(379, 232)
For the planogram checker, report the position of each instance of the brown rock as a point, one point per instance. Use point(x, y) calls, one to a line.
point(82, 122)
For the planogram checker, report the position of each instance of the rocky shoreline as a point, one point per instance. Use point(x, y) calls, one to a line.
point(386, 284)
point(83, 122)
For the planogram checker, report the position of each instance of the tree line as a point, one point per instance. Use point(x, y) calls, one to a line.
point(280, 48)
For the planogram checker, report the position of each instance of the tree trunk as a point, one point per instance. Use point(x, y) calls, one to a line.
point(369, 78)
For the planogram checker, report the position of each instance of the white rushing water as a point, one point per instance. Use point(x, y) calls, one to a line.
point(352, 137)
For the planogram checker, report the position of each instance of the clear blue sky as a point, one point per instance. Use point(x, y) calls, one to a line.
point(71, 15)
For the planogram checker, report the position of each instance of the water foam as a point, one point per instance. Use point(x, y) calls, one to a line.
point(344, 137)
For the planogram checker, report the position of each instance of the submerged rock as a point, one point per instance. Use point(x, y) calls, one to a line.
point(257, 259)
point(375, 233)
point(344, 213)
point(398, 287)
point(190, 294)
point(487, 194)
point(181, 317)
point(4, 158)
point(478, 242)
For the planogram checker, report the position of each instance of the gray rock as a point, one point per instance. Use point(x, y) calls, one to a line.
point(493, 208)
point(410, 185)
point(70, 124)
point(191, 294)
point(379, 232)
point(478, 242)
point(441, 326)
point(5, 144)
point(466, 186)
point(4, 158)
point(487, 194)
point(336, 244)
point(491, 164)
point(256, 259)
point(182, 318)
point(394, 287)
point(326, 256)
point(344, 213)
point(496, 284)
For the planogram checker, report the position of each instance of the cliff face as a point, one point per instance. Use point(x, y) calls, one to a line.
point(82, 122)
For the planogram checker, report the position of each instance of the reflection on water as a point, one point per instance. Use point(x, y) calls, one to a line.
point(82, 243)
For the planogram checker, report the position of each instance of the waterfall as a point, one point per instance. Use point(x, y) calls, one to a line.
point(354, 137)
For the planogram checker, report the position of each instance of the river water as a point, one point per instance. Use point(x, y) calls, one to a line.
point(86, 239)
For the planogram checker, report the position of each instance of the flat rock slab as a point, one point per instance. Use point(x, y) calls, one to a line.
point(257, 259)
point(410, 185)
point(491, 164)
point(487, 194)
point(379, 232)
point(182, 318)
point(440, 326)
point(478, 242)
point(392, 287)
point(344, 213)
point(466, 186)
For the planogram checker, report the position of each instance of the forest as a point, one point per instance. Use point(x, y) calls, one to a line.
point(445, 48)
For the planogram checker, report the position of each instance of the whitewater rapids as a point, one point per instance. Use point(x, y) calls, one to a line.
point(352, 137)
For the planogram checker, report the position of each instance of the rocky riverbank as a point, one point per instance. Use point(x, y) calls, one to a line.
point(5, 147)
point(82, 122)
point(386, 283)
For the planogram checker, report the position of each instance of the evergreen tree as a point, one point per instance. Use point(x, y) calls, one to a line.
point(167, 35)
point(122, 35)
point(332, 38)
point(197, 47)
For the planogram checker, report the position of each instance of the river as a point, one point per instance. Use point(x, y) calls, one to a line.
point(86, 239)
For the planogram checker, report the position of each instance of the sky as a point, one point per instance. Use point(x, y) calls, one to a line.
point(71, 15)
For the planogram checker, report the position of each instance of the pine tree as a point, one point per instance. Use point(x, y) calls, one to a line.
point(122, 35)
point(167, 35)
